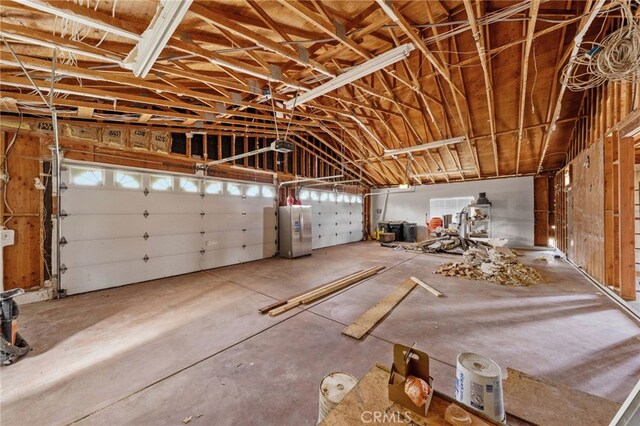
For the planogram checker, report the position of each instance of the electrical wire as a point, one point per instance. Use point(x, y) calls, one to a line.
point(5, 170)
point(616, 58)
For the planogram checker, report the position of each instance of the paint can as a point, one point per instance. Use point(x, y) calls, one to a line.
point(333, 387)
point(479, 384)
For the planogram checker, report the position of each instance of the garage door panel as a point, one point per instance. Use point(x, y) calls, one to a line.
point(114, 250)
point(88, 227)
point(98, 277)
point(229, 238)
point(167, 245)
point(215, 258)
point(258, 251)
point(173, 224)
point(173, 203)
point(77, 200)
point(222, 222)
point(167, 266)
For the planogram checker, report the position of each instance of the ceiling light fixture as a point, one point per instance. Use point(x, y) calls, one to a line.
point(424, 146)
point(155, 37)
point(355, 73)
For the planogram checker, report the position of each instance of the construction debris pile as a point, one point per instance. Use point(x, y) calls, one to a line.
point(450, 243)
point(497, 264)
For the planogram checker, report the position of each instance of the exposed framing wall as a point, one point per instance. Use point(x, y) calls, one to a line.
point(593, 193)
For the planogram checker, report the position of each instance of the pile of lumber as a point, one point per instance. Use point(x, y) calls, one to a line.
point(317, 293)
point(496, 264)
point(450, 243)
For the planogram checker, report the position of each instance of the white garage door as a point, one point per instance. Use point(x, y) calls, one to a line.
point(122, 226)
point(337, 217)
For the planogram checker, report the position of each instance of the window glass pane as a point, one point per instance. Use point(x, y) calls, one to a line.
point(213, 188)
point(324, 196)
point(233, 189)
point(340, 198)
point(354, 199)
point(188, 185)
point(314, 195)
point(252, 191)
point(128, 180)
point(332, 197)
point(304, 195)
point(438, 207)
point(359, 199)
point(87, 177)
point(161, 183)
point(268, 192)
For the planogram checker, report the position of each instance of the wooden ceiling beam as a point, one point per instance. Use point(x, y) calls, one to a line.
point(526, 49)
point(478, 37)
point(585, 23)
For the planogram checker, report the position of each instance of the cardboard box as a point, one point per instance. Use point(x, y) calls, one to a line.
point(387, 237)
point(409, 362)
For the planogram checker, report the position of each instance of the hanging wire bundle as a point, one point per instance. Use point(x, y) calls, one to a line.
point(616, 58)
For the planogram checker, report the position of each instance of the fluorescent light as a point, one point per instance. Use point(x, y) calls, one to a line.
point(444, 172)
point(355, 73)
point(385, 5)
point(90, 22)
point(403, 186)
point(155, 37)
point(424, 146)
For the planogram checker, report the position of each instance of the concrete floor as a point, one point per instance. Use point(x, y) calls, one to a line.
point(194, 345)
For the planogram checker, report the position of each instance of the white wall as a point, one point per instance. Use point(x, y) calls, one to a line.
point(511, 206)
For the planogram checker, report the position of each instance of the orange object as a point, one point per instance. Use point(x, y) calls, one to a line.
point(434, 223)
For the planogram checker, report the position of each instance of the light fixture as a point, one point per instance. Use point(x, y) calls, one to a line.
point(403, 186)
point(424, 146)
point(355, 73)
point(155, 37)
point(444, 172)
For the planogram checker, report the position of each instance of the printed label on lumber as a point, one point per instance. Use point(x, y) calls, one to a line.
point(113, 136)
point(82, 132)
point(139, 138)
point(160, 142)
point(43, 127)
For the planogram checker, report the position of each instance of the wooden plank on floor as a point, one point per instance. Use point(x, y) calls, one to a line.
point(427, 287)
point(277, 304)
point(325, 290)
point(369, 319)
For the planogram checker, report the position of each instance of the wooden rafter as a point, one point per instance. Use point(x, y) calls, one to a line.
point(526, 49)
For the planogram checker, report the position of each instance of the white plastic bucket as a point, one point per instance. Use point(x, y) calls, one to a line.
point(334, 387)
point(479, 384)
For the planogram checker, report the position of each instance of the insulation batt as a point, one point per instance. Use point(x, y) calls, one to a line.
point(417, 390)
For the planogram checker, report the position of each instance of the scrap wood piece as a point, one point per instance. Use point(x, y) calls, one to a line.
point(325, 290)
point(427, 287)
point(525, 395)
point(371, 317)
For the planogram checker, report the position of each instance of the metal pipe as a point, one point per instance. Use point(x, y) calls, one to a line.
point(295, 182)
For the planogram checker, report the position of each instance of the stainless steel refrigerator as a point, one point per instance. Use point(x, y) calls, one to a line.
point(294, 230)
